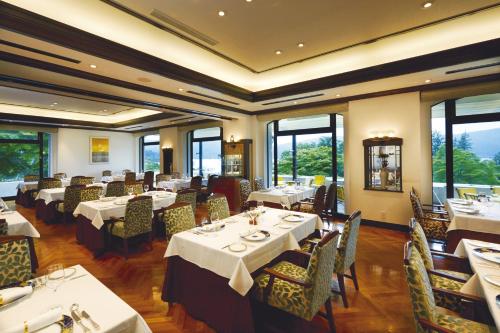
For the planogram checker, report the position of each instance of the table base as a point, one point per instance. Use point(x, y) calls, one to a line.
point(48, 213)
point(89, 236)
point(453, 238)
point(25, 199)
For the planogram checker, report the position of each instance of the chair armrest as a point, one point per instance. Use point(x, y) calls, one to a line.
point(467, 297)
point(297, 257)
point(448, 276)
point(433, 205)
point(437, 219)
point(426, 324)
point(286, 278)
point(450, 261)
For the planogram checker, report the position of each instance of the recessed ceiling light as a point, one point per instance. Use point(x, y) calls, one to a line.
point(427, 4)
point(104, 110)
point(300, 45)
point(181, 89)
point(248, 0)
point(338, 95)
point(55, 103)
point(222, 13)
point(278, 52)
point(294, 102)
point(428, 81)
point(93, 66)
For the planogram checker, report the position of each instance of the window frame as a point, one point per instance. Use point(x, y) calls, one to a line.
point(142, 144)
point(192, 140)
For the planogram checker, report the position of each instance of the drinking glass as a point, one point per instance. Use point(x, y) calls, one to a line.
point(284, 203)
point(130, 191)
point(55, 276)
point(146, 188)
point(260, 205)
point(214, 217)
point(204, 221)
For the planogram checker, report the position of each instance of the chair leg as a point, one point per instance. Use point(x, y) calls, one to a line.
point(329, 315)
point(340, 278)
point(353, 275)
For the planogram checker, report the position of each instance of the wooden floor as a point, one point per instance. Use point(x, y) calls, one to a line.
point(381, 305)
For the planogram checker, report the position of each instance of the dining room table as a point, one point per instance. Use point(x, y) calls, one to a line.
point(485, 282)
point(18, 225)
point(121, 177)
point(221, 265)
point(44, 305)
point(174, 185)
point(472, 220)
point(91, 217)
point(24, 190)
point(287, 195)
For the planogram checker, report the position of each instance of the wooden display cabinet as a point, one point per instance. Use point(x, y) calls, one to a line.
point(237, 159)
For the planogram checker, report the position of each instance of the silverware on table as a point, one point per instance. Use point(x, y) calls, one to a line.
point(228, 245)
point(87, 316)
point(77, 319)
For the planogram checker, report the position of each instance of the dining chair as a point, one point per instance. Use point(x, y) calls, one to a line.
point(495, 190)
point(178, 217)
point(208, 190)
point(281, 180)
point(135, 187)
point(107, 173)
point(161, 177)
point(115, 189)
point(44, 184)
point(196, 183)
point(319, 180)
point(245, 190)
point(81, 180)
point(15, 260)
point(90, 193)
point(4, 227)
point(437, 210)
point(253, 203)
point(471, 196)
point(136, 222)
point(72, 197)
point(427, 317)
point(302, 287)
point(176, 175)
point(313, 206)
point(434, 226)
point(130, 177)
point(60, 175)
point(258, 184)
point(462, 190)
point(340, 193)
point(331, 197)
point(124, 171)
point(217, 203)
point(187, 195)
point(149, 177)
point(31, 178)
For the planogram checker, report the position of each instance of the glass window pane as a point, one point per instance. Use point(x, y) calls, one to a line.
point(152, 158)
point(270, 153)
point(211, 158)
point(314, 156)
point(152, 138)
point(285, 159)
point(438, 154)
point(478, 105)
point(196, 158)
point(206, 132)
point(46, 154)
point(24, 135)
point(16, 161)
point(304, 122)
point(340, 163)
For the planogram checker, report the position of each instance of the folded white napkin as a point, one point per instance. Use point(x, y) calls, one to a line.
point(213, 226)
point(11, 294)
point(43, 320)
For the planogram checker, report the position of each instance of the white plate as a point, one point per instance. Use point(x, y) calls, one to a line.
point(493, 279)
point(294, 218)
point(237, 247)
point(256, 237)
point(284, 226)
point(120, 202)
point(106, 199)
point(480, 243)
point(493, 257)
point(471, 211)
point(461, 201)
point(7, 212)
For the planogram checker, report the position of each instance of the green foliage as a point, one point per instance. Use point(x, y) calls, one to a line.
point(497, 158)
point(437, 141)
point(463, 142)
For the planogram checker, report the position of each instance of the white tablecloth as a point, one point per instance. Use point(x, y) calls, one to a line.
point(19, 225)
point(106, 308)
point(487, 221)
point(207, 251)
point(138, 176)
point(275, 195)
point(99, 211)
point(54, 194)
point(175, 184)
point(477, 285)
point(25, 186)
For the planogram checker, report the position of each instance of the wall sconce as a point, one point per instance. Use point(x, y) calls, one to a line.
point(231, 138)
point(382, 134)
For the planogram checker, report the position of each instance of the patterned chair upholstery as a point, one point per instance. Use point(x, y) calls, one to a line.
point(217, 203)
point(297, 290)
point(135, 187)
point(316, 206)
point(455, 281)
point(130, 177)
point(47, 183)
point(60, 175)
point(115, 189)
point(31, 178)
point(176, 175)
point(15, 260)
point(188, 196)
point(137, 220)
point(245, 190)
point(462, 190)
point(340, 193)
point(81, 180)
point(90, 193)
point(161, 177)
point(423, 302)
point(177, 218)
point(107, 173)
point(72, 197)
point(4, 227)
point(434, 226)
point(258, 184)
point(124, 171)
point(471, 196)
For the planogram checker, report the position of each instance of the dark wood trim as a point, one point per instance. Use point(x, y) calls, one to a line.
point(197, 122)
point(386, 225)
point(212, 97)
point(48, 125)
point(449, 115)
point(35, 63)
point(42, 52)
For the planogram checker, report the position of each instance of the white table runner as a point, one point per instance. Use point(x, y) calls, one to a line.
point(19, 225)
point(99, 211)
point(105, 307)
point(477, 285)
point(289, 194)
point(487, 221)
point(207, 251)
point(175, 184)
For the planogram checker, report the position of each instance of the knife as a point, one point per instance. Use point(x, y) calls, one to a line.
point(87, 316)
point(78, 320)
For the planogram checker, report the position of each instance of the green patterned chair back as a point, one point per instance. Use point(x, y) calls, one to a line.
point(176, 175)
point(418, 211)
point(495, 190)
point(319, 273)
point(161, 177)
point(4, 227)
point(187, 196)
point(72, 197)
point(107, 173)
point(31, 178)
point(258, 184)
point(138, 215)
point(15, 260)
point(81, 180)
point(462, 190)
point(340, 193)
point(419, 240)
point(130, 177)
point(60, 175)
point(46, 183)
point(421, 294)
point(217, 203)
point(245, 190)
point(346, 255)
point(135, 187)
point(90, 193)
point(115, 189)
point(177, 218)
point(196, 183)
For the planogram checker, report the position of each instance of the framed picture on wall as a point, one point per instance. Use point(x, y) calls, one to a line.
point(99, 149)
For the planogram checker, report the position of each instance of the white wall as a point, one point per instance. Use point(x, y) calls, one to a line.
point(72, 152)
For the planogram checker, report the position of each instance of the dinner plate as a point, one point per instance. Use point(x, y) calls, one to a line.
point(106, 199)
point(294, 218)
point(479, 243)
point(490, 256)
point(8, 212)
point(256, 237)
point(237, 247)
point(493, 279)
point(471, 211)
point(284, 226)
point(121, 202)
point(461, 201)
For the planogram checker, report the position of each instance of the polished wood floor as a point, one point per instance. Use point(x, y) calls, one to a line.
point(381, 305)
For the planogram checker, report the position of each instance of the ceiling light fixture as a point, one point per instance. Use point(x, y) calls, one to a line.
point(300, 45)
point(93, 66)
point(294, 102)
point(222, 13)
point(181, 89)
point(278, 52)
point(427, 4)
point(248, 0)
point(55, 103)
point(338, 95)
point(428, 81)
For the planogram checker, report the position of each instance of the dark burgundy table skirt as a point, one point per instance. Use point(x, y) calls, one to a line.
point(24, 198)
point(92, 238)
point(207, 297)
point(48, 213)
point(453, 237)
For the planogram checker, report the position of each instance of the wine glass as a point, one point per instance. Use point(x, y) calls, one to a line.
point(214, 217)
point(204, 221)
point(55, 276)
point(284, 202)
point(260, 205)
point(146, 188)
point(130, 191)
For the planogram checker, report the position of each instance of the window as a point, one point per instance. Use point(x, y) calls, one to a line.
point(308, 149)
point(205, 151)
point(150, 153)
point(22, 153)
point(465, 145)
